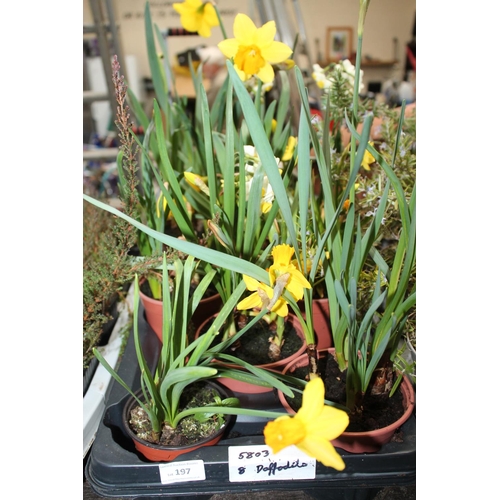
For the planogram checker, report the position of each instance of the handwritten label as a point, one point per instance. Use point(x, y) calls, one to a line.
point(175, 472)
point(258, 463)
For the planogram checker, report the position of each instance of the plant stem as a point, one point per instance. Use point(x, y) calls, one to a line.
point(220, 20)
point(312, 356)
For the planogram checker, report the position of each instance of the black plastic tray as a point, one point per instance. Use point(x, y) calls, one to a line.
point(115, 469)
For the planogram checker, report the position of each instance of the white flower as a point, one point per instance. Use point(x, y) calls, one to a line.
point(347, 67)
point(319, 76)
point(251, 155)
point(252, 164)
point(317, 69)
point(349, 70)
point(252, 86)
point(267, 193)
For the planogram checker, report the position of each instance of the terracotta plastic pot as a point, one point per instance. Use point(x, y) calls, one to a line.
point(158, 453)
point(206, 307)
point(321, 322)
point(243, 387)
point(247, 388)
point(154, 311)
point(372, 441)
point(360, 442)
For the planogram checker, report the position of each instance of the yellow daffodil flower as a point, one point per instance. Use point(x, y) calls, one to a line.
point(261, 297)
point(283, 275)
point(290, 148)
point(368, 158)
point(311, 429)
point(159, 201)
point(288, 63)
point(197, 182)
point(253, 49)
point(265, 206)
point(197, 16)
point(282, 256)
point(162, 202)
point(299, 265)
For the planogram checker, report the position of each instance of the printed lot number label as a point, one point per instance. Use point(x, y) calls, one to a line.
point(176, 472)
point(258, 463)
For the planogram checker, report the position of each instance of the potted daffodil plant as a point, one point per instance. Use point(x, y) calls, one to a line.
point(193, 184)
point(256, 241)
point(367, 317)
point(179, 406)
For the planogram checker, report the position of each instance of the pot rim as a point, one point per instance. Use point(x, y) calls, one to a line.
point(229, 419)
point(406, 388)
point(274, 364)
point(210, 298)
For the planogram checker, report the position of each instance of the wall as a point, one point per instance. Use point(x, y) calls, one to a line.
point(386, 20)
point(129, 16)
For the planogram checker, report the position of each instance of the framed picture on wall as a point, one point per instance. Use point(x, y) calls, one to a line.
point(338, 43)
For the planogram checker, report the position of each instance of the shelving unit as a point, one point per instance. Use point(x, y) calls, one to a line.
point(372, 63)
point(367, 63)
point(108, 42)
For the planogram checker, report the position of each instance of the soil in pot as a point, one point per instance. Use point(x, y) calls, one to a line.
point(376, 412)
point(253, 345)
point(189, 430)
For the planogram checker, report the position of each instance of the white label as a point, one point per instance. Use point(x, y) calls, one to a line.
point(175, 472)
point(258, 463)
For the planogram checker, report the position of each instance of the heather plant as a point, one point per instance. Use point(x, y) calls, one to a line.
point(109, 266)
